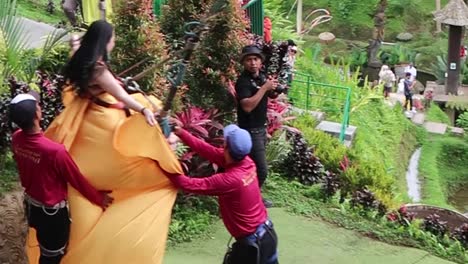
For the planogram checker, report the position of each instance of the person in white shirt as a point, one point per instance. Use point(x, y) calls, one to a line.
point(411, 69)
point(387, 78)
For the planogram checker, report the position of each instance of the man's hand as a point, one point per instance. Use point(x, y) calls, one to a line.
point(177, 130)
point(106, 200)
point(173, 140)
point(270, 84)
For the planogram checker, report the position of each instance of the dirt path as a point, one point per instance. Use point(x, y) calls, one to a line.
point(304, 240)
point(13, 229)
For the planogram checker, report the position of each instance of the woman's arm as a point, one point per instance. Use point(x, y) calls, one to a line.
point(108, 83)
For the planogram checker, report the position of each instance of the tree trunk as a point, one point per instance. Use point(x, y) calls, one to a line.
point(438, 24)
point(299, 17)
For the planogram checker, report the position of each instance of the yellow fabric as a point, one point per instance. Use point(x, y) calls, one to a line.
point(115, 153)
point(91, 10)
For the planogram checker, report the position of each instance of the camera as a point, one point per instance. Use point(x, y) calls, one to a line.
point(262, 79)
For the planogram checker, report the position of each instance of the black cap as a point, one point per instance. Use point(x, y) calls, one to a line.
point(251, 50)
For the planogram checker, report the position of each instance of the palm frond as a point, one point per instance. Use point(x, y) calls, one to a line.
point(11, 31)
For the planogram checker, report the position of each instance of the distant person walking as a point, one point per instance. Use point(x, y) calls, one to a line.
point(408, 92)
point(413, 71)
point(70, 8)
point(387, 78)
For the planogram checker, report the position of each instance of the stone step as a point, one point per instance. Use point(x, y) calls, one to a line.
point(334, 129)
point(457, 131)
point(418, 118)
point(435, 128)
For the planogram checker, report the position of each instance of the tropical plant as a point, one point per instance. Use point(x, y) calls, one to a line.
point(277, 149)
point(283, 28)
point(204, 124)
point(17, 60)
point(301, 163)
point(49, 89)
point(365, 199)
point(136, 31)
point(461, 234)
point(402, 216)
point(434, 225)
point(330, 185)
point(277, 114)
point(397, 54)
point(462, 120)
point(439, 68)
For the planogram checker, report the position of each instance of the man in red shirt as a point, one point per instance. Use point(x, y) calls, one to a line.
point(45, 168)
point(238, 191)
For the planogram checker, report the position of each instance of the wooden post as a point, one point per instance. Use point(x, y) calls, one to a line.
point(299, 17)
point(453, 67)
point(438, 24)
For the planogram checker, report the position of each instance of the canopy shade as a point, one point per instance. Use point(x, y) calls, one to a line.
point(455, 13)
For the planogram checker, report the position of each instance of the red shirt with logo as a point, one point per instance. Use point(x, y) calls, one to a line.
point(240, 200)
point(45, 167)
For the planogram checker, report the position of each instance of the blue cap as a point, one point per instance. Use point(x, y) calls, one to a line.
point(238, 141)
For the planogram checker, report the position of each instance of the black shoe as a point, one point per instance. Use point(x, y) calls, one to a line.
point(267, 203)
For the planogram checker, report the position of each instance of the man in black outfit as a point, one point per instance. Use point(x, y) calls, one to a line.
point(253, 89)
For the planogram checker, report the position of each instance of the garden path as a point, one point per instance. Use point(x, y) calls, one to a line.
point(35, 32)
point(305, 240)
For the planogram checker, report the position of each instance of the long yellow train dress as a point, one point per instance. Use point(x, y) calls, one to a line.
point(127, 156)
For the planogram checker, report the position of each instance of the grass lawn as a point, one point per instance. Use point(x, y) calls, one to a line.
point(435, 114)
point(36, 10)
point(305, 240)
point(8, 175)
point(442, 168)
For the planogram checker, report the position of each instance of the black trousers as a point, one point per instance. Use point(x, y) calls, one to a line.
point(52, 231)
point(243, 253)
point(408, 99)
point(258, 154)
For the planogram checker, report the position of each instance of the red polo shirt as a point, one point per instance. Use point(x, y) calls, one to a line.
point(240, 200)
point(45, 167)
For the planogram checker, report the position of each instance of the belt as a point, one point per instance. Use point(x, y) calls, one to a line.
point(103, 103)
point(256, 130)
point(36, 203)
point(259, 232)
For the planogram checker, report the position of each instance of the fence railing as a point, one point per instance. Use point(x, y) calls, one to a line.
point(256, 14)
point(332, 99)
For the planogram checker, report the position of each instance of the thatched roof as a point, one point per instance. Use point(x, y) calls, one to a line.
point(455, 13)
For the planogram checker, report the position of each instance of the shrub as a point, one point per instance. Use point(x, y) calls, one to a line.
point(277, 149)
point(49, 87)
point(301, 163)
point(462, 121)
point(178, 12)
point(366, 200)
point(434, 225)
point(206, 125)
point(461, 234)
point(191, 217)
point(402, 216)
point(213, 68)
point(435, 114)
point(277, 114)
point(330, 185)
point(137, 32)
point(330, 150)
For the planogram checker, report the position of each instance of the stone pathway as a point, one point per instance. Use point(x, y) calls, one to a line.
point(435, 128)
point(36, 32)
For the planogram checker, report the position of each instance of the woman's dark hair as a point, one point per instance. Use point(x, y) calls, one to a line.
point(80, 68)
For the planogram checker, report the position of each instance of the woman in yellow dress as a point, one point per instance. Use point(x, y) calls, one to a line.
point(93, 10)
point(116, 149)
